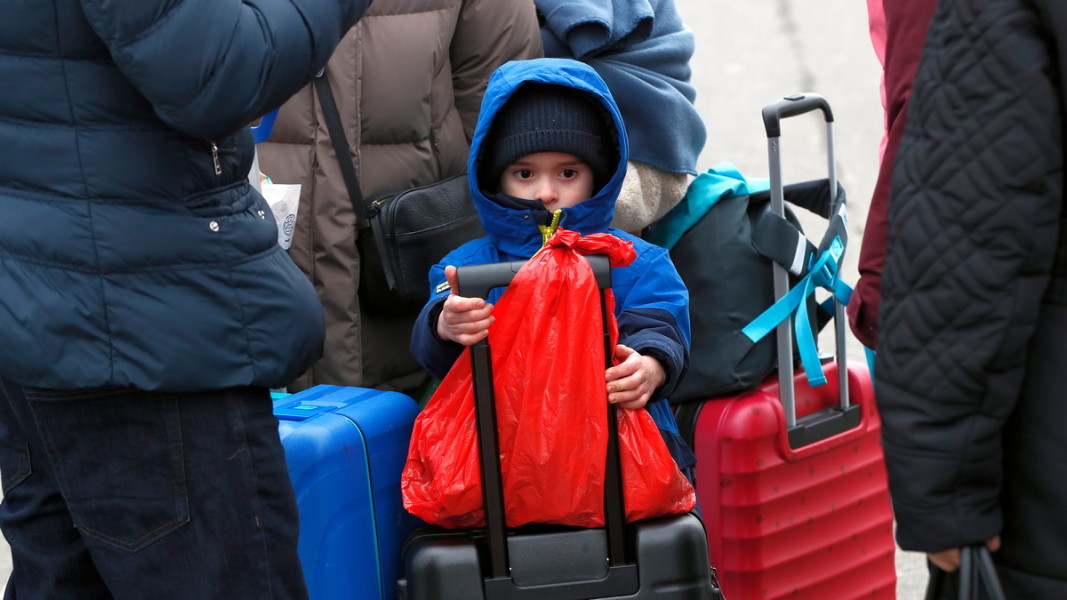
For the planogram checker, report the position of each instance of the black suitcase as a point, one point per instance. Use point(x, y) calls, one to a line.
point(665, 557)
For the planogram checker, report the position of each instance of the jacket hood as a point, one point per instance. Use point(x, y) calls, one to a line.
point(514, 230)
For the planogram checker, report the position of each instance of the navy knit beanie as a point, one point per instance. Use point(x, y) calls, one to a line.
point(549, 118)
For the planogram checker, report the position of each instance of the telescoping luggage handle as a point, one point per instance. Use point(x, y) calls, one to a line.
point(825, 423)
point(622, 578)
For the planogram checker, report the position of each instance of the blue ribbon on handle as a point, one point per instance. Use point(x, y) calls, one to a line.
point(823, 273)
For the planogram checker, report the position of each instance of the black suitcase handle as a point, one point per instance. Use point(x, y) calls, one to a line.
point(622, 578)
point(476, 281)
point(791, 106)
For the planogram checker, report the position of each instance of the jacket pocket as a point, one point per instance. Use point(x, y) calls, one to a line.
point(230, 200)
point(15, 465)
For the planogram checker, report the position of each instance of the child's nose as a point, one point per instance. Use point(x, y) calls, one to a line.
point(546, 192)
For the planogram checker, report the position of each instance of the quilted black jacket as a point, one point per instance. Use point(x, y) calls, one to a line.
point(975, 294)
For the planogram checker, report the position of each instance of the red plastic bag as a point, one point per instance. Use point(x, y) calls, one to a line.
point(547, 349)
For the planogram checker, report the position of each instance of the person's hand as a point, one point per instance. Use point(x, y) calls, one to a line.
point(463, 320)
point(632, 381)
point(949, 560)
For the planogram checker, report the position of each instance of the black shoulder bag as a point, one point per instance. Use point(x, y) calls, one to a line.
point(401, 235)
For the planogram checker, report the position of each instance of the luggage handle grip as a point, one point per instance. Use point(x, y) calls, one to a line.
point(824, 424)
point(791, 106)
point(476, 281)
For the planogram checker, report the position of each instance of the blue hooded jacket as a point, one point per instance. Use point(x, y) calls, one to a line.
point(652, 302)
point(133, 251)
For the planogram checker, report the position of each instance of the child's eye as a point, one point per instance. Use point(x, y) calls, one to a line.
point(524, 173)
point(569, 173)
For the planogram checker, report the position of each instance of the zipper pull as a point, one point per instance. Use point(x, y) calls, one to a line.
point(547, 231)
point(215, 158)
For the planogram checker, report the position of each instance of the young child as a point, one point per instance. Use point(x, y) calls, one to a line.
point(549, 150)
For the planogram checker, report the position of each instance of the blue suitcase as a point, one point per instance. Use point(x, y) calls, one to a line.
point(345, 448)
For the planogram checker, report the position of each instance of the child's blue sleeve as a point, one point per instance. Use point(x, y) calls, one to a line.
point(434, 354)
point(653, 313)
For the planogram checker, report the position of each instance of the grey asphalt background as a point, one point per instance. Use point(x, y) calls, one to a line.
point(752, 52)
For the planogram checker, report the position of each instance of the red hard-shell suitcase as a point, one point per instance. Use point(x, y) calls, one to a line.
point(811, 522)
point(791, 480)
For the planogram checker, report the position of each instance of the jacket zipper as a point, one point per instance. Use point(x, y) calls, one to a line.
point(215, 157)
point(547, 231)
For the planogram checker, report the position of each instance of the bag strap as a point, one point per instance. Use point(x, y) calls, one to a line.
point(721, 181)
point(780, 240)
point(340, 147)
point(348, 171)
point(978, 572)
point(776, 238)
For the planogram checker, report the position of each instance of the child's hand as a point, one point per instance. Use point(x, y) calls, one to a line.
point(463, 320)
point(632, 381)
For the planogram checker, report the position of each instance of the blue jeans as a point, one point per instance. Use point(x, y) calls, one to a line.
point(120, 493)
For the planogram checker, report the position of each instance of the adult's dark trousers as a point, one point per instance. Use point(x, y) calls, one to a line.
point(126, 494)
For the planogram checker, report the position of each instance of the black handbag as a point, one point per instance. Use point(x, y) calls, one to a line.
point(401, 235)
point(976, 578)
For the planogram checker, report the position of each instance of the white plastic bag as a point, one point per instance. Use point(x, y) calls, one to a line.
point(284, 200)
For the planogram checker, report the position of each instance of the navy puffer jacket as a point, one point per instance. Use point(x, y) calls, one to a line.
point(133, 252)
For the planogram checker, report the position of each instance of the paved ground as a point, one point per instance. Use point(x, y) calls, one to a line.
point(751, 53)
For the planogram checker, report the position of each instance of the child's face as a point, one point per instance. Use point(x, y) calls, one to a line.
point(555, 179)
